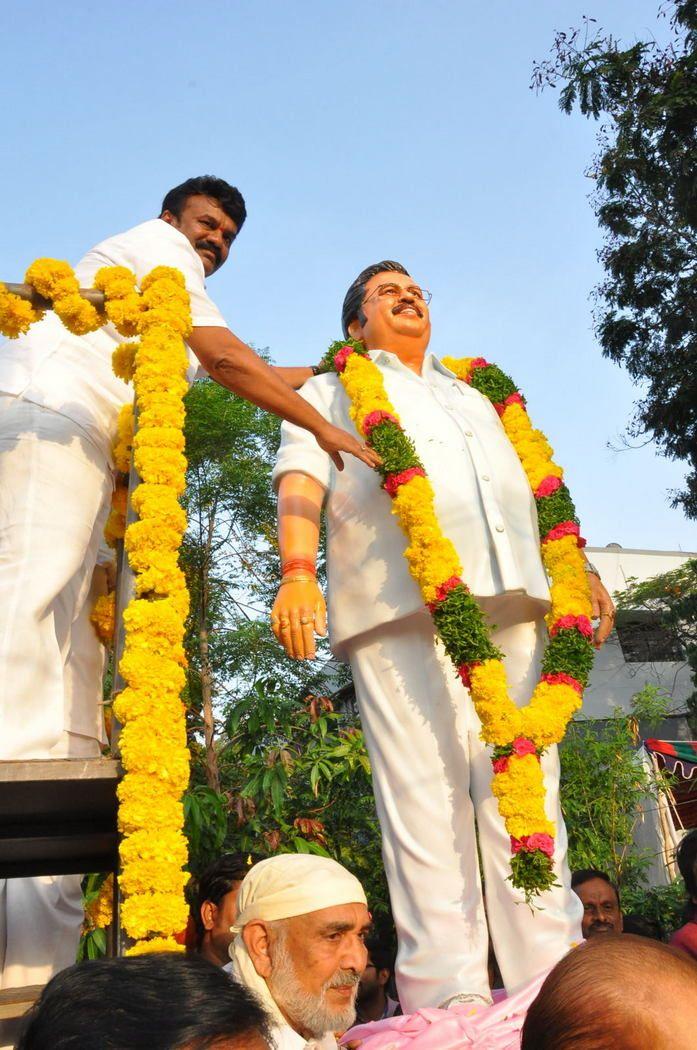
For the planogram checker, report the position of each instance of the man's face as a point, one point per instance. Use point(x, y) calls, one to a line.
point(317, 962)
point(372, 979)
point(393, 306)
point(217, 919)
point(601, 909)
point(206, 226)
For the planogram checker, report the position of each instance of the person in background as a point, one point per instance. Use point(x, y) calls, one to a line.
point(299, 946)
point(214, 908)
point(373, 1002)
point(602, 912)
point(162, 1001)
point(616, 993)
point(686, 937)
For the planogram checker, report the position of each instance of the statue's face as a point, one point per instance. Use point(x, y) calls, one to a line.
point(395, 310)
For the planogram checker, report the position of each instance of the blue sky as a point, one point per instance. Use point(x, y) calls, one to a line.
point(356, 131)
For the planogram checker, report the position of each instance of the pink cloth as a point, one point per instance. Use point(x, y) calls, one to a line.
point(482, 1027)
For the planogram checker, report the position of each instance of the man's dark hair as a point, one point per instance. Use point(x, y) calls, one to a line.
point(586, 874)
point(228, 197)
point(216, 881)
point(160, 1001)
point(686, 857)
point(351, 310)
point(380, 953)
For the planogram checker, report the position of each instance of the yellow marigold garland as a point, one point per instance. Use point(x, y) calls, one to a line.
point(153, 742)
point(518, 736)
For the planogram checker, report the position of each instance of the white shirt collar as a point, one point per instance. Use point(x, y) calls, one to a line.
point(430, 363)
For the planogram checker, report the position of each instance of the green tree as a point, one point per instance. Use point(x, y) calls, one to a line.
point(604, 786)
point(274, 767)
point(671, 598)
point(646, 205)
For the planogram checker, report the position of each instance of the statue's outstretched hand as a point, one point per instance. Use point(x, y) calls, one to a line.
point(298, 613)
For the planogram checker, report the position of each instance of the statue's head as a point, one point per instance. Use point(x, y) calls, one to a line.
point(386, 308)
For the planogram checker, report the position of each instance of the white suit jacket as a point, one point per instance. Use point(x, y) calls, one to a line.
point(483, 499)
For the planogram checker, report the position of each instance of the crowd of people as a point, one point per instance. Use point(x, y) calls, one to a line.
point(280, 954)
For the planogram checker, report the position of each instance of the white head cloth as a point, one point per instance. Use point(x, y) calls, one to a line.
point(279, 888)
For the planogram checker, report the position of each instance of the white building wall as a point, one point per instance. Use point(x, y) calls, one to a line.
point(614, 681)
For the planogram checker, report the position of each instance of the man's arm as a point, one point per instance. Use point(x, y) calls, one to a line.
point(299, 610)
point(294, 377)
point(232, 364)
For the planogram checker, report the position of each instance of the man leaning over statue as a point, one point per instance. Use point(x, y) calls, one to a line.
point(432, 773)
point(59, 403)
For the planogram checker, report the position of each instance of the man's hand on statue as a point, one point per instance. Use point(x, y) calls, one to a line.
point(334, 441)
point(298, 614)
point(603, 610)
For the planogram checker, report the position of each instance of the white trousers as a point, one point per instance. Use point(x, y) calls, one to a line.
point(55, 489)
point(432, 780)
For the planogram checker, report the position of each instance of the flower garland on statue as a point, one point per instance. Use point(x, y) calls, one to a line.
point(518, 736)
point(153, 741)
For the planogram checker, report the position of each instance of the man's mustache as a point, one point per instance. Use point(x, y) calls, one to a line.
point(199, 245)
point(403, 305)
point(342, 978)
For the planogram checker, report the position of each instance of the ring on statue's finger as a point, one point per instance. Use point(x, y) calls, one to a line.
point(284, 624)
point(306, 619)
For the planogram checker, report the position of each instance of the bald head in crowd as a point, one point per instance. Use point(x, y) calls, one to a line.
point(617, 991)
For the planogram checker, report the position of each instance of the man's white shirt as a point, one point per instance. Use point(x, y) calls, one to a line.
point(483, 499)
point(72, 374)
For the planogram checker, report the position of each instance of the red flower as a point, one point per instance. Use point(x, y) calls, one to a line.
point(393, 481)
point(547, 486)
point(512, 399)
point(545, 843)
point(563, 679)
point(566, 623)
point(341, 357)
point(523, 746)
point(564, 528)
point(500, 765)
point(465, 671)
point(373, 419)
point(533, 843)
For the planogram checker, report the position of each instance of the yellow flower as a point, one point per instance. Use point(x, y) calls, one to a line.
point(155, 944)
point(144, 913)
point(16, 314)
point(99, 913)
point(103, 617)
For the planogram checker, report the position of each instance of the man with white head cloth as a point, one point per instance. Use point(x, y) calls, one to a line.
point(299, 945)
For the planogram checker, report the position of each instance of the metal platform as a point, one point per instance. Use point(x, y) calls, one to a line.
point(58, 817)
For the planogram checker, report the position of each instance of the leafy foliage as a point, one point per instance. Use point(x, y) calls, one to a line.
point(672, 597)
point(603, 787)
point(646, 205)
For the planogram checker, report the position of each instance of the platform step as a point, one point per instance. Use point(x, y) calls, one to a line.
point(58, 817)
point(14, 1002)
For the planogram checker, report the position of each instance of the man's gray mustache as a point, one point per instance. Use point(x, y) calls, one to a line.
point(342, 978)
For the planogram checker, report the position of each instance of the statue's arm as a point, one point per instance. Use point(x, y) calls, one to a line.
point(299, 610)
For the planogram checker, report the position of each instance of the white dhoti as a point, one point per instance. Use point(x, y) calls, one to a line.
point(432, 780)
point(55, 488)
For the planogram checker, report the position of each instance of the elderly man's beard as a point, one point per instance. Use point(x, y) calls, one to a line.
point(310, 1012)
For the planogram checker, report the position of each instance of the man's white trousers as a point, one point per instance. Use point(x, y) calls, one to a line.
point(432, 780)
point(55, 489)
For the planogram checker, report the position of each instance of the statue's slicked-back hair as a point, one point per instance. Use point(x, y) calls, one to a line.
point(228, 197)
point(161, 1001)
point(351, 310)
